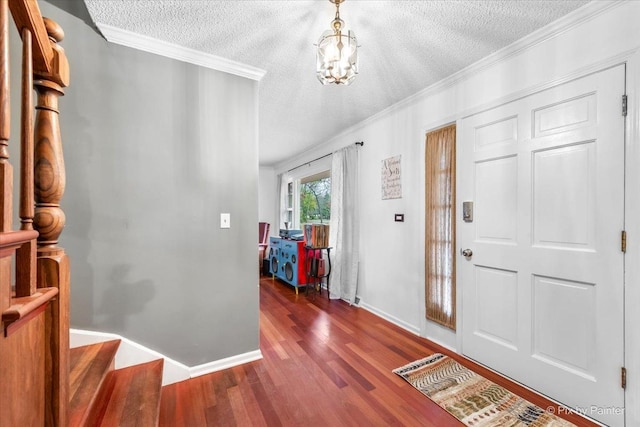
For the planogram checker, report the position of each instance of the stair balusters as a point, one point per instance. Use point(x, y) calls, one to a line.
point(26, 254)
point(6, 171)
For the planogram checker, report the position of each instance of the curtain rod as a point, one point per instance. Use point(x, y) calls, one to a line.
point(360, 143)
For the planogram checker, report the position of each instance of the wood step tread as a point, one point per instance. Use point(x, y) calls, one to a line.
point(89, 367)
point(131, 396)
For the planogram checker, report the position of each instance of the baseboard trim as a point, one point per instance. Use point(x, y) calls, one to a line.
point(131, 353)
point(441, 344)
point(386, 316)
point(404, 325)
point(229, 362)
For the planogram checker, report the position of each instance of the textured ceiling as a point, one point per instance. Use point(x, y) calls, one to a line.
point(405, 47)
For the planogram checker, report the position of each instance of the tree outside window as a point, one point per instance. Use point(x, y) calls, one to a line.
point(315, 199)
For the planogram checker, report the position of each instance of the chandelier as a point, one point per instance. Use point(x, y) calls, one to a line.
point(337, 56)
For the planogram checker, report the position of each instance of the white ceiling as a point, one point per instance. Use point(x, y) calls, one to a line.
point(405, 47)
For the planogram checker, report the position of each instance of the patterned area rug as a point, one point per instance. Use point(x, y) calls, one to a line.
point(473, 399)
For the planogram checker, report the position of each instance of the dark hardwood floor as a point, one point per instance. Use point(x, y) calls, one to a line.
point(325, 364)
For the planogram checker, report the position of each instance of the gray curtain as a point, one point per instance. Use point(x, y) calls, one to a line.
point(344, 234)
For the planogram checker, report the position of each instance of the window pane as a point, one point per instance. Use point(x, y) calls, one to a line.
point(315, 199)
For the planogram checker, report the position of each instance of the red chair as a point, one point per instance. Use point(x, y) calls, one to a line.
point(263, 241)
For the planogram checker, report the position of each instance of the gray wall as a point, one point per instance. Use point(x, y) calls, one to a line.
point(155, 150)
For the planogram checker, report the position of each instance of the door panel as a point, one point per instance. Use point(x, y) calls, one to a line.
point(573, 226)
point(563, 308)
point(542, 295)
point(496, 306)
point(496, 200)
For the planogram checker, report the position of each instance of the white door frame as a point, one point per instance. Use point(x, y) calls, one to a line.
point(632, 259)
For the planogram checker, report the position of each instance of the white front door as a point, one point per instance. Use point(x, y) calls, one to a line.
point(542, 293)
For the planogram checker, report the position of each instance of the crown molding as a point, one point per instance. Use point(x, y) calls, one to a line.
point(561, 25)
point(181, 53)
point(567, 22)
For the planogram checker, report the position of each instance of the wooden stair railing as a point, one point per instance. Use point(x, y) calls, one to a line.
point(34, 339)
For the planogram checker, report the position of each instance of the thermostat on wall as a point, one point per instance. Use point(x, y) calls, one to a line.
point(399, 217)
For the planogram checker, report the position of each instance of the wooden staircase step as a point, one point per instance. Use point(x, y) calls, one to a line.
point(89, 366)
point(131, 396)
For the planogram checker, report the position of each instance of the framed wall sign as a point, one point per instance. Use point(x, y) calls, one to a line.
point(391, 178)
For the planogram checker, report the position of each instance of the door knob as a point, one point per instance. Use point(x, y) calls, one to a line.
point(467, 253)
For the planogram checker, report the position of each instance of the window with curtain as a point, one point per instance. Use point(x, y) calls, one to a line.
point(440, 214)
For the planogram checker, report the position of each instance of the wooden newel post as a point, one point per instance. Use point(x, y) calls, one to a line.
point(49, 161)
point(53, 264)
point(49, 168)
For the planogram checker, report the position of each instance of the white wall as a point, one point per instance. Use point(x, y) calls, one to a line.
point(392, 254)
point(267, 197)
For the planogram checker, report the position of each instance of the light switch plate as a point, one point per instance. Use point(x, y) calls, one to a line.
point(225, 220)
